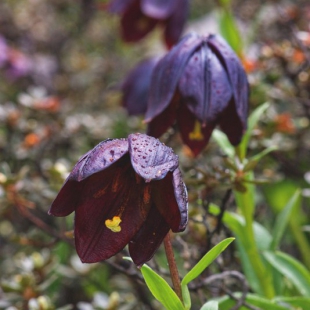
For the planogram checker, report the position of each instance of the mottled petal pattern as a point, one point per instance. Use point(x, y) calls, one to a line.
point(167, 73)
point(123, 191)
point(236, 75)
point(151, 159)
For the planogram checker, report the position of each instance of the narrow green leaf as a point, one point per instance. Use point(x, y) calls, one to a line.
point(283, 219)
point(291, 269)
point(226, 303)
point(210, 305)
point(229, 30)
point(206, 261)
point(186, 297)
point(160, 289)
point(299, 301)
point(253, 161)
point(223, 143)
point(252, 122)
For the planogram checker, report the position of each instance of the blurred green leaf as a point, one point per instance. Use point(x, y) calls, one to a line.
point(291, 269)
point(206, 260)
point(252, 122)
point(161, 289)
point(253, 161)
point(210, 305)
point(229, 29)
point(226, 303)
point(283, 219)
point(223, 143)
point(302, 302)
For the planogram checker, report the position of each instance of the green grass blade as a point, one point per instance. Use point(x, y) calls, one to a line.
point(206, 261)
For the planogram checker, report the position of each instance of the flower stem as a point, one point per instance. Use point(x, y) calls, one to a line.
point(174, 273)
point(246, 204)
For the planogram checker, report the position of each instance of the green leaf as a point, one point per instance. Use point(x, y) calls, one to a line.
point(236, 222)
point(160, 289)
point(252, 122)
point(226, 303)
point(291, 269)
point(302, 302)
point(229, 29)
point(210, 305)
point(283, 219)
point(206, 261)
point(223, 143)
point(253, 161)
point(186, 297)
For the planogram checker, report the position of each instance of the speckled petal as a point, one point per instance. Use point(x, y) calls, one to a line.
point(159, 9)
point(170, 198)
point(144, 244)
point(236, 75)
point(102, 156)
point(167, 73)
point(204, 86)
point(114, 192)
point(151, 159)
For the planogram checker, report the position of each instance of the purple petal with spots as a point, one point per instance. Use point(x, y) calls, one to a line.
point(236, 74)
point(151, 159)
point(159, 9)
point(180, 193)
point(167, 73)
point(102, 156)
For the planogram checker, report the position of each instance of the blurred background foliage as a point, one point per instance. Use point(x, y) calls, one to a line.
point(61, 65)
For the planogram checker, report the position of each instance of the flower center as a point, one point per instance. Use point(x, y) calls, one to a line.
point(196, 134)
point(114, 224)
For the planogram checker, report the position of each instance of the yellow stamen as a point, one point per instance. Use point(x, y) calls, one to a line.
point(114, 224)
point(196, 134)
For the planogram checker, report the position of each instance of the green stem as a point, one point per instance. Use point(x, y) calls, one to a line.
point(245, 202)
point(174, 273)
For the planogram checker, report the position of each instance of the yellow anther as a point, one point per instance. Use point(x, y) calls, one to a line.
point(114, 224)
point(196, 134)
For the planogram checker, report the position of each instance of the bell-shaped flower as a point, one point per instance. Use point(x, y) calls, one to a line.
point(199, 84)
point(124, 191)
point(135, 87)
point(139, 17)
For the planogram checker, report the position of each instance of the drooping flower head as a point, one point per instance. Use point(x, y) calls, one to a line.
point(199, 84)
point(135, 87)
point(139, 17)
point(124, 191)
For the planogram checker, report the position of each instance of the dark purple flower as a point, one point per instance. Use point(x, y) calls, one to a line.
point(139, 17)
point(135, 87)
point(199, 84)
point(124, 191)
